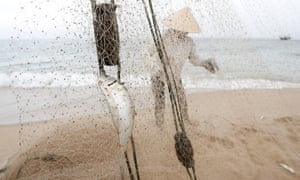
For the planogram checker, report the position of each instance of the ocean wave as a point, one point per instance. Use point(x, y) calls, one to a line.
point(51, 79)
point(64, 80)
point(60, 79)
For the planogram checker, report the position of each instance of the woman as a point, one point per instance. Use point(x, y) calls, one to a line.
point(180, 48)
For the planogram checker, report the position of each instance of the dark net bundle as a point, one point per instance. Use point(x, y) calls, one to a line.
point(107, 35)
point(184, 150)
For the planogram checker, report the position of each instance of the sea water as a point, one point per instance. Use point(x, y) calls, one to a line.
point(65, 63)
point(55, 78)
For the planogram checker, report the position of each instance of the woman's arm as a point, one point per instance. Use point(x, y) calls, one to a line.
point(209, 64)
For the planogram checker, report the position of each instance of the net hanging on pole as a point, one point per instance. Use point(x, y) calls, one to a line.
point(106, 35)
point(108, 46)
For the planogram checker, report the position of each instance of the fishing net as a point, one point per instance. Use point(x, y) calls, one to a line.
point(107, 34)
point(59, 122)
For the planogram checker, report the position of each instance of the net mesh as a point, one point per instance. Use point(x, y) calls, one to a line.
point(107, 34)
point(49, 79)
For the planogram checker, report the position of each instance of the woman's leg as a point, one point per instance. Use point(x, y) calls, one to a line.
point(183, 101)
point(158, 89)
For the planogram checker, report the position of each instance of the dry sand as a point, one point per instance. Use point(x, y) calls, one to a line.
point(242, 134)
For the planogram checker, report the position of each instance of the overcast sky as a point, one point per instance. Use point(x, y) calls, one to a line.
point(217, 18)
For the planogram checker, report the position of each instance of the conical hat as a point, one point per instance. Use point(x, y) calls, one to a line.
point(182, 20)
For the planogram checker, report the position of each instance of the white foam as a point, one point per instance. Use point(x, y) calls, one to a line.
point(59, 79)
point(4, 80)
point(137, 81)
point(51, 79)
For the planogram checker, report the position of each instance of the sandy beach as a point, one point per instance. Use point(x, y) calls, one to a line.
point(236, 134)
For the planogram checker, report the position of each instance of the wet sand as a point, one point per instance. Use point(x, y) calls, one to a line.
point(238, 134)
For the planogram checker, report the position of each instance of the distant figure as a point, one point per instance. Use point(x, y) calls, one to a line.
point(180, 48)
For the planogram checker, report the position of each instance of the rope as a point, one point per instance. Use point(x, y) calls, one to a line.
point(161, 57)
point(162, 46)
point(128, 166)
point(183, 146)
point(134, 158)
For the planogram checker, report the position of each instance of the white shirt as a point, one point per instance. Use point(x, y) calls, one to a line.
point(178, 50)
